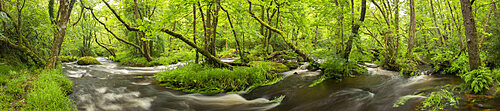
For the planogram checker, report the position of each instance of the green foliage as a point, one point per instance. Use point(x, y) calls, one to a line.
point(492, 42)
point(13, 88)
point(402, 100)
point(196, 78)
point(439, 100)
point(67, 58)
point(478, 81)
point(49, 92)
point(87, 60)
point(21, 89)
point(459, 66)
point(274, 66)
point(335, 66)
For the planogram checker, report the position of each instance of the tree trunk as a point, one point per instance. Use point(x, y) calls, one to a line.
point(458, 26)
point(205, 53)
point(355, 30)
point(293, 47)
point(471, 34)
point(194, 33)
point(238, 46)
point(107, 49)
point(64, 14)
point(441, 36)
point(413, 25)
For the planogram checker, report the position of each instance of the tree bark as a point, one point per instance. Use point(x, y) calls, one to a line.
point(64, 14)
point(238, 46)
point(355, 30)
point(412, 29)
point(194, 33)
point(471, 34)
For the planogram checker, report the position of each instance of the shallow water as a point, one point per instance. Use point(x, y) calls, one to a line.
point(111, 86)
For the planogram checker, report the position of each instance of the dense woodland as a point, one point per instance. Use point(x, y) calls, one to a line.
point(450, 37)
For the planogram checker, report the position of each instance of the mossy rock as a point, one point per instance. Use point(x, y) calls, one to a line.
point(275, 67)
point(67, 58)
point(292, 64)
point(87, 60)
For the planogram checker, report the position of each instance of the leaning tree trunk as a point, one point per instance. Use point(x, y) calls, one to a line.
point(295, 49)
point(471, 34)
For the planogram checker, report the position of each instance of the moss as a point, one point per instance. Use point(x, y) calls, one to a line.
point(67, 58)
point(292, 64)
point(87, 60)
point(275, 67)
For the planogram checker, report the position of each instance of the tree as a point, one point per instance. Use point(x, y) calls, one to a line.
point(412, 29)
point(471, 34)
point(355, 29)
point(64, 12)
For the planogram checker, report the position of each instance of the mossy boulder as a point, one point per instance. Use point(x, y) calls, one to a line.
point(292, 64)
point(275, 67)
point(87, 60)
point(67, 58)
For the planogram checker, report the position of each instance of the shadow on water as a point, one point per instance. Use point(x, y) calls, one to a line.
point(114, 87)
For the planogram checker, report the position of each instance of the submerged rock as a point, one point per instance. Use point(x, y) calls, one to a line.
point(87, 60)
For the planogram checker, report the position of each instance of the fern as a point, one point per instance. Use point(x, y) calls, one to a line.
point(478, 80)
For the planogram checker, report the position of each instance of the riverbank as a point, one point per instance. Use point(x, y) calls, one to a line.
point(34, 89)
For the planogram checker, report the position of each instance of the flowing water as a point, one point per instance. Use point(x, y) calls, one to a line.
point(113, 87)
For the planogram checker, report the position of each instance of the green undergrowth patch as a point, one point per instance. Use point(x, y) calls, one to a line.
point(28, 89)
point(195, 78)
point(137, 60)
point(434, 99)
point(275, 67)
point(87, 60)
point(67, 58)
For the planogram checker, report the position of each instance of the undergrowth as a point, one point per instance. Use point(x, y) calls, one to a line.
point(195, 78)
point(27, 89)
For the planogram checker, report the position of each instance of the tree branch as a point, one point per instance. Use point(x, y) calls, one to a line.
point(119, 18)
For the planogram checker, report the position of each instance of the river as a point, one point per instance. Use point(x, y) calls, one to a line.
point(113, 87)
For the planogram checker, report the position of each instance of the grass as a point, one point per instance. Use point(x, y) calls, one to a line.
point(24, 89)
point(195, 78)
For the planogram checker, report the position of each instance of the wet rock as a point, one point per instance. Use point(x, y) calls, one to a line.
point(371, 65)
point(292, 64)
point(87, 60)
point(311, 68)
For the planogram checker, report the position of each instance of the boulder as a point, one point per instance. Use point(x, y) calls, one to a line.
point(87, 60)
